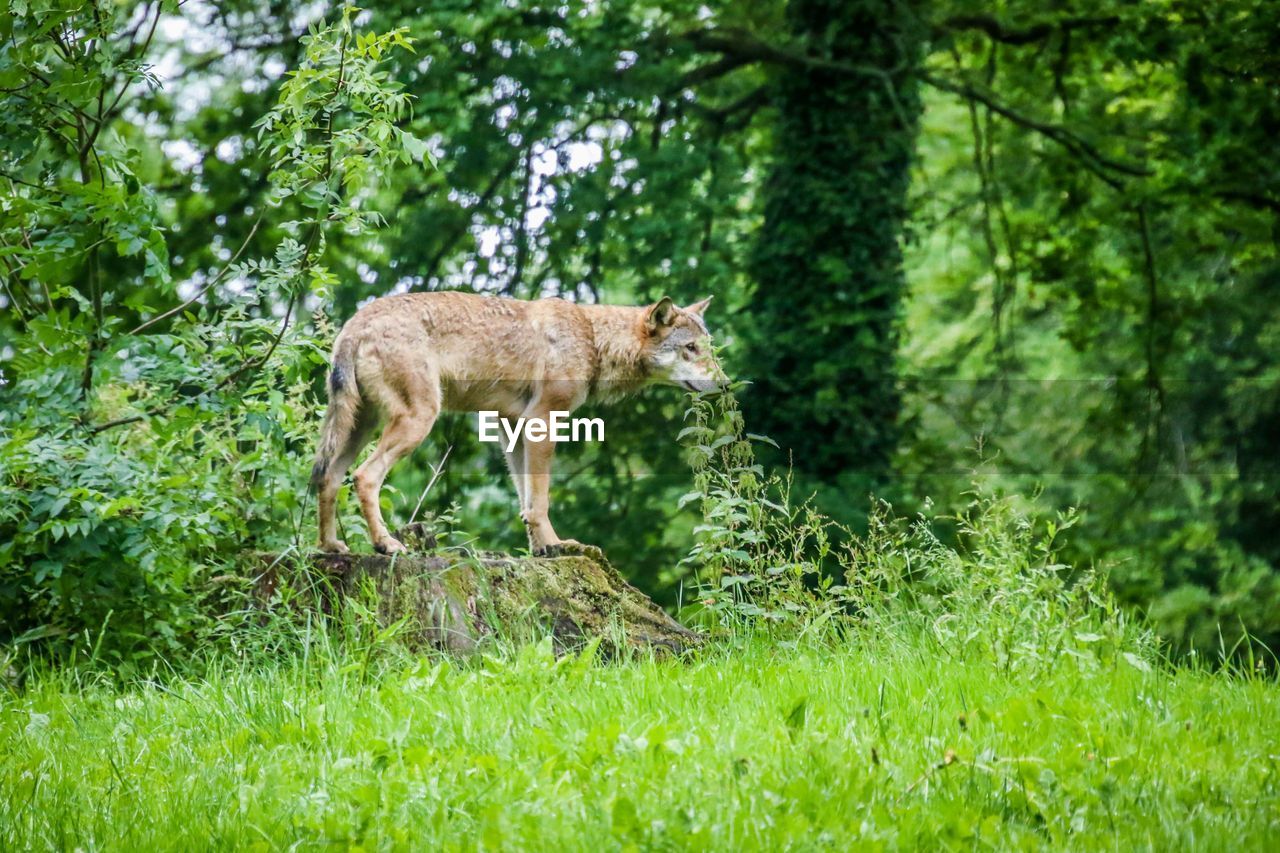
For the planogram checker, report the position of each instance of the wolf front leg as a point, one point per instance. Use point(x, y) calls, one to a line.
point(515, 464)
point(543, 541)
point(535, 496)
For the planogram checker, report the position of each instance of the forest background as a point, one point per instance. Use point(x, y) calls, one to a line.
point(1028, 245)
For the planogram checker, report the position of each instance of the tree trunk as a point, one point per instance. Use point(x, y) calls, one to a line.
point(454, 602)
point(827, 262)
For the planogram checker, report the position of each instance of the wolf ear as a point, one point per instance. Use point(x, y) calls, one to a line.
point(699, 308)
point(660, 314)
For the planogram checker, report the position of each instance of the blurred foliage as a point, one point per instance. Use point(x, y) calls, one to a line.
point(1060, 217)
point(136, 461)
point(1095, 306)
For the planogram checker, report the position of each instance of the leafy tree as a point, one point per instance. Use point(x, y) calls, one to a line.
point(136, 463)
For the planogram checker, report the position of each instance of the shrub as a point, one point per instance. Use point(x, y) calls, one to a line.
point(133, 465)
point(763, 559)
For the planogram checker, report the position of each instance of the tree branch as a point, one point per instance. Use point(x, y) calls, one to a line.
point(710, 71)
point(461, 229)
point(232, 376)
point(210, 283)
point(741, 47)
point(747, 105)
point(1092, 159)
point(997, 31)
point(1253, 199)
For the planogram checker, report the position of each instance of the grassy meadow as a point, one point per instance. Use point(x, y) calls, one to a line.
point(970, 695)
point(1007, 267)
point(883, 736)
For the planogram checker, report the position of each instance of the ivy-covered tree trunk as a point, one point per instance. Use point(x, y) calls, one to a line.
point(827, 266)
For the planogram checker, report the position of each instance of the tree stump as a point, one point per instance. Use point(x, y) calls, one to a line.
point(454, 601)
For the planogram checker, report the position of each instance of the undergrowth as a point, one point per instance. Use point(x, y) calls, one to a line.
point(768, 561)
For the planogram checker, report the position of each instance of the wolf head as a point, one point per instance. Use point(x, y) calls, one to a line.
point(678, 349)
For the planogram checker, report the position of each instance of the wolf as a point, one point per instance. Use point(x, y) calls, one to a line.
point(403, 359)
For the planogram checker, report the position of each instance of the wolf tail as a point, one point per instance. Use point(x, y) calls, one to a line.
point(344, 407)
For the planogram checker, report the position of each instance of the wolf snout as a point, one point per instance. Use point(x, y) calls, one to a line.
point(705, 386)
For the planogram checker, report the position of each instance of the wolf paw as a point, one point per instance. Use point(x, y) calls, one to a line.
point(337, 546)
point(389, 546)
point(570, 548)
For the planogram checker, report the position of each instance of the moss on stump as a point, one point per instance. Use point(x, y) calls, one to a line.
point(454, 602)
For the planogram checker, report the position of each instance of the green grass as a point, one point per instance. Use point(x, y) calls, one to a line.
point(885, 738)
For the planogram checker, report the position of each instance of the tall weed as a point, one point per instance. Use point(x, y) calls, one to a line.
point(763, 559)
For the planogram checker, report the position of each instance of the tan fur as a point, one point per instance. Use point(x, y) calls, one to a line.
point(403, 359)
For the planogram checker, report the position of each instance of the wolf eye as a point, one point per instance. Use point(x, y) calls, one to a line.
point(693, 348)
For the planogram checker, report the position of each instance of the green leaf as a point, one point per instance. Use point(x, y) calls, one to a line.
point(1136, 662)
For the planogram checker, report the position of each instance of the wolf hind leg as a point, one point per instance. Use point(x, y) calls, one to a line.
point(404, 431)
point(331, 480)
